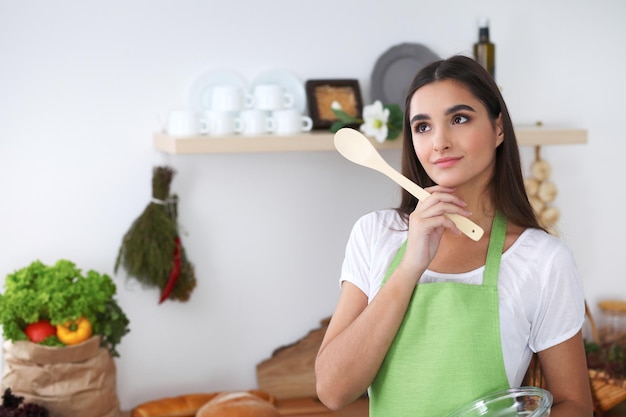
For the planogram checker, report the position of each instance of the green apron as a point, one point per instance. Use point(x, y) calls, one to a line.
point(448, 350)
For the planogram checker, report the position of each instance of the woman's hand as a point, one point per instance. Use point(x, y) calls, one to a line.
point(427, 225)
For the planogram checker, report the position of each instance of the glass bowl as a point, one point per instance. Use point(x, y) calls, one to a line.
point(514, 402)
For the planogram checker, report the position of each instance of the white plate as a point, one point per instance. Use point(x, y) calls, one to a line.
point(288, 81)
point(201, 89)
point(395, 69)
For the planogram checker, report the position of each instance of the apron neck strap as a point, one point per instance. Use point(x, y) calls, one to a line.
point(494, 251)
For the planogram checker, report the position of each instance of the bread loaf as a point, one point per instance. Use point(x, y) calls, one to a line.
point(181, 406)
point(238, 404)
point(188, 405)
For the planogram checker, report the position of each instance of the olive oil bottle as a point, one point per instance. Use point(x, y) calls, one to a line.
point(484, 49)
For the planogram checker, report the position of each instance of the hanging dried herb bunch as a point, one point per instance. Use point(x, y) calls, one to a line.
point(152, 251)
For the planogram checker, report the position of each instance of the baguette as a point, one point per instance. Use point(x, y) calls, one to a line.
point(186, 405)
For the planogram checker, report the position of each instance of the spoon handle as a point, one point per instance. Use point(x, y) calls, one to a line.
point(465, 225)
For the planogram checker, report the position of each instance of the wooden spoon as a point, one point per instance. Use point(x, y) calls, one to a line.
point(355, 147)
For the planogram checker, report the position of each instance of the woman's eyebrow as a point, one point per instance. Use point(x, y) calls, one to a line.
point(451, 110)
point(419, 117)
point(459, 107)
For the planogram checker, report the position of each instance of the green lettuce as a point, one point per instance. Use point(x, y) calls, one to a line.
point(59, 293)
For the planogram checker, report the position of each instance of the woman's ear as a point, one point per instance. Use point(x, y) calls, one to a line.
point(499, 130)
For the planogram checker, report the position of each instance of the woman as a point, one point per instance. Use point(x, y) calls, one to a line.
point(428, 319)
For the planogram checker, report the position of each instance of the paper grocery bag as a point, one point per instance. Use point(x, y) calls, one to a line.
point(71, 381)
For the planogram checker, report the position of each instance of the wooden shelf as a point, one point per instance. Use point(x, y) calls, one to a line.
point(542, 135)
point(304, 142)
point(323, 141)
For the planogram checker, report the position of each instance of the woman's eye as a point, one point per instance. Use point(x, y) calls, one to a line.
point(459, 119)
point(421, 128)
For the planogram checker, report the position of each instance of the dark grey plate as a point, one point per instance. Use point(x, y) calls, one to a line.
point(395, 69)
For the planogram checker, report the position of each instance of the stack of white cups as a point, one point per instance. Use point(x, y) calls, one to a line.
point(274, 112)
point(223, 117)
point(268, 110)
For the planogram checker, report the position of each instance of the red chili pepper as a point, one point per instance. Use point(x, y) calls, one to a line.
point(174, 273)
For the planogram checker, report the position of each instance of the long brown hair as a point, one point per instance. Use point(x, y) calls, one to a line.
point(506, 187)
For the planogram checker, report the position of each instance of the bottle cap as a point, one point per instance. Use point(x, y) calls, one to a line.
point(483, 22)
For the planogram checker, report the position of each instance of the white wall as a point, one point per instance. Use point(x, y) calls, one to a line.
point(83, 86)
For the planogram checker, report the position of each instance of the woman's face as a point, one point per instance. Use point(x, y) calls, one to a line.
point(453, 136)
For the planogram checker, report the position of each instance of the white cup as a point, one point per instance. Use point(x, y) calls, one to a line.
point(230, 98)
point(290, 121)
point(272, 97)
point(182, 123)
point(255, 122)
point(220, 123)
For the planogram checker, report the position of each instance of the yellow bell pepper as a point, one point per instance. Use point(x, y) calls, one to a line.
point(74, 331)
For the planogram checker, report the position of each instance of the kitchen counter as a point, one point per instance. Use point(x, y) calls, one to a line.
point(309, 407)
point(312, 408)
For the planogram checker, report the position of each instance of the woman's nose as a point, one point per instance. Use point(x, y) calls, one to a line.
point(441, 141)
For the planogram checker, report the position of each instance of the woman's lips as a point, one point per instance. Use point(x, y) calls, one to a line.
point(446, 162)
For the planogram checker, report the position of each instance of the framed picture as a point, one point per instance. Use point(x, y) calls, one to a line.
point(321, 94)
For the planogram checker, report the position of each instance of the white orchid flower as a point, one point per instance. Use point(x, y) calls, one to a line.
point(375, 118)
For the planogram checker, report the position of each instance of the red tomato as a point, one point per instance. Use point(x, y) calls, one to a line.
point(37, 332)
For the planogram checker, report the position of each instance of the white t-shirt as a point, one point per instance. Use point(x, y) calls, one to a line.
point(540, 293)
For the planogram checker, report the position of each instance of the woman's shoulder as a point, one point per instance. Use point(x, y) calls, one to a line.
point(539, 248)
point(539, 240)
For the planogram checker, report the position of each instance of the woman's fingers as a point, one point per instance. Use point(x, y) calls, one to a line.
point(445, 194)
point(427, 224)
point(442, 201)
